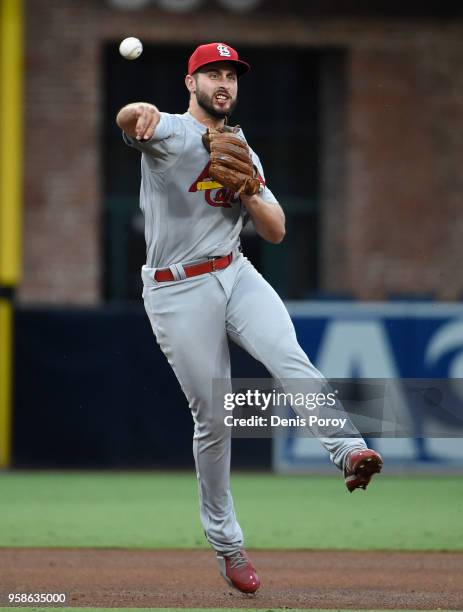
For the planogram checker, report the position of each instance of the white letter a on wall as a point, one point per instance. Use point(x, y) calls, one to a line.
point(356, 348)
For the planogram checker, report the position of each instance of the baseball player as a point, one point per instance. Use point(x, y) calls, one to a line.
point(199, 184)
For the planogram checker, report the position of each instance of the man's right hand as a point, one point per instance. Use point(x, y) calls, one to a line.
point(138, 120)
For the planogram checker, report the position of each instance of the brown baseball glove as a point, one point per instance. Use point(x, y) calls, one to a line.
point(231, 163)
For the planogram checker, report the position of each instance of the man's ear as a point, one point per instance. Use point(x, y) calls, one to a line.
point(190, 83)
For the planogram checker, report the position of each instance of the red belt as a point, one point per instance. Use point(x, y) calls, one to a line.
point(218, 263)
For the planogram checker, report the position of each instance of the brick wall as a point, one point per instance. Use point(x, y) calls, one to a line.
point(405, 185)
point(62, 169)
point(391, 182)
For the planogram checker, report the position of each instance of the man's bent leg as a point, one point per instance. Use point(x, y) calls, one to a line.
point(258, 321)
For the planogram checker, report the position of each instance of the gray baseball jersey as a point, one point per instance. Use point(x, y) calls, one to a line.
point(187, 215)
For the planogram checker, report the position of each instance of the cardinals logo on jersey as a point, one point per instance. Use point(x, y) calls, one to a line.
point(215, 193)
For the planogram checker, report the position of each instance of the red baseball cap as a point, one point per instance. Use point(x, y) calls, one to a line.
point(216, 52)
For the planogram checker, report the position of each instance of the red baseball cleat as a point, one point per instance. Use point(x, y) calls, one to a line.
point(359, 468)
point(238, 571)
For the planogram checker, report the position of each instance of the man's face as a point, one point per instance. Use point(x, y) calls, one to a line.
point(217, 89)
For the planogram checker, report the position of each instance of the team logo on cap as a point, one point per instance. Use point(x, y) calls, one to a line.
point(223, 50)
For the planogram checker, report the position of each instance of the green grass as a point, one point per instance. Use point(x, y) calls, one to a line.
point(158, 510)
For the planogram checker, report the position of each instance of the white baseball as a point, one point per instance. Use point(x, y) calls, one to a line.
point(130, 48)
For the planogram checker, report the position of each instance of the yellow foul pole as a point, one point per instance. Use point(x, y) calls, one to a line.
point(11, 105)
point(11, 164)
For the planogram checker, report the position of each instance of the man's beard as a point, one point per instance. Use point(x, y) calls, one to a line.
point(206, 104)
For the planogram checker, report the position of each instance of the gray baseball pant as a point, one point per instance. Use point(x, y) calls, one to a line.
point(192, 321)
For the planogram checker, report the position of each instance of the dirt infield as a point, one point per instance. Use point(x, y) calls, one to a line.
point(185, 578)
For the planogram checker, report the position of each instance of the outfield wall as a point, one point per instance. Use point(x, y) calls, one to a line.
point(92, 388)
